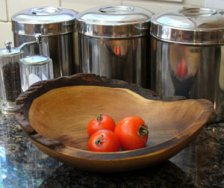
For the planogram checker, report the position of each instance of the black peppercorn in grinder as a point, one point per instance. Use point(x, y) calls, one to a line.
point(10, 84)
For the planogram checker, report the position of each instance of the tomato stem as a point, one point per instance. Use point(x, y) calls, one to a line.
point(143, 131)
point(99, 118)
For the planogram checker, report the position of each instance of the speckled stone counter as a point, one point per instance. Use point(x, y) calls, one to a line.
point(22, 165)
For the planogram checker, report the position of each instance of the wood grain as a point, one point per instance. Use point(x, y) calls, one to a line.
point(55, 115)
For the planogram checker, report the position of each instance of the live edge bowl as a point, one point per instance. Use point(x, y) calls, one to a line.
point(55, 113)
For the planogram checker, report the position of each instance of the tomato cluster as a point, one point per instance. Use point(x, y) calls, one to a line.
point(105, 136)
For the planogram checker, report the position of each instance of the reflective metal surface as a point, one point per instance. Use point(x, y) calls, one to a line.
point(44, 20)
point(187, 55)
point(188, 71)
point(125, 59)
point(202, 26)
point(56, 26)
point(114, 42)
point(61, 50)
point(9, 54)
point(114, 22)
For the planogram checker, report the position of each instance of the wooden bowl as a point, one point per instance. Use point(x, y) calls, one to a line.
point(55, 114)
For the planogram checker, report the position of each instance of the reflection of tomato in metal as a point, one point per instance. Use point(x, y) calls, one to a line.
point(117, 50)
point(181, 70)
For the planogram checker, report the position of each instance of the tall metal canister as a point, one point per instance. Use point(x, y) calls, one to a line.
point(114, 42)
point(56, 26)
point(188, 55)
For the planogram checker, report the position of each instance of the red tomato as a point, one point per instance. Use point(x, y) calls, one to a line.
point(103, 141)
point(132, 133)
point(182, 69)
point(100, 122)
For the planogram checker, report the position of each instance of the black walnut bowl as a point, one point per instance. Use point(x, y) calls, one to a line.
point(55, 113)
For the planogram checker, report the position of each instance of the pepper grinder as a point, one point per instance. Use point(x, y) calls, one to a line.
point(10, 82)
point(35, 68)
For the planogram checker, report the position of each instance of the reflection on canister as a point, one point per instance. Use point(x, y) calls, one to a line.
point(184, 63)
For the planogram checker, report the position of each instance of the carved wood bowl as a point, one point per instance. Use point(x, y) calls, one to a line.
point(55, 114)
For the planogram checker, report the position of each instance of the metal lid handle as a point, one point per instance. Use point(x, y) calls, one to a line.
point(37, 40)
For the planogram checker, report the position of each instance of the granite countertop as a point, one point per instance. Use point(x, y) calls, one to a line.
point(22, 165)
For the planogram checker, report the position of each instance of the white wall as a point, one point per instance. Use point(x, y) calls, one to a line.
point(214, 3)
point(10, 7)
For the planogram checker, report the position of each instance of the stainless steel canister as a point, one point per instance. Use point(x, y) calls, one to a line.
point(188, 55)
point(56, 26)
point(114, 42)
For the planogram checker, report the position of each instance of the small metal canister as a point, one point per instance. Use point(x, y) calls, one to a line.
point(114, 42)
point(9, 77)
point(188, 55)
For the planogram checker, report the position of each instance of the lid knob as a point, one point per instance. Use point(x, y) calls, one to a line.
point(117, 10)
point(194, 12)
point(45, 11)
point(8, 45)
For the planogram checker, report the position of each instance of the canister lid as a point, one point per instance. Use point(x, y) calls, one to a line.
point(35, 60)
point(5, 53)
point(114, 21)
point(44, 20)
point(197, 26)
point(9, 51)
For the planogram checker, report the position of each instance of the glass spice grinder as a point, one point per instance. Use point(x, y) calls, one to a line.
point(10, 82)
point(34, 69)
point(18, 73)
